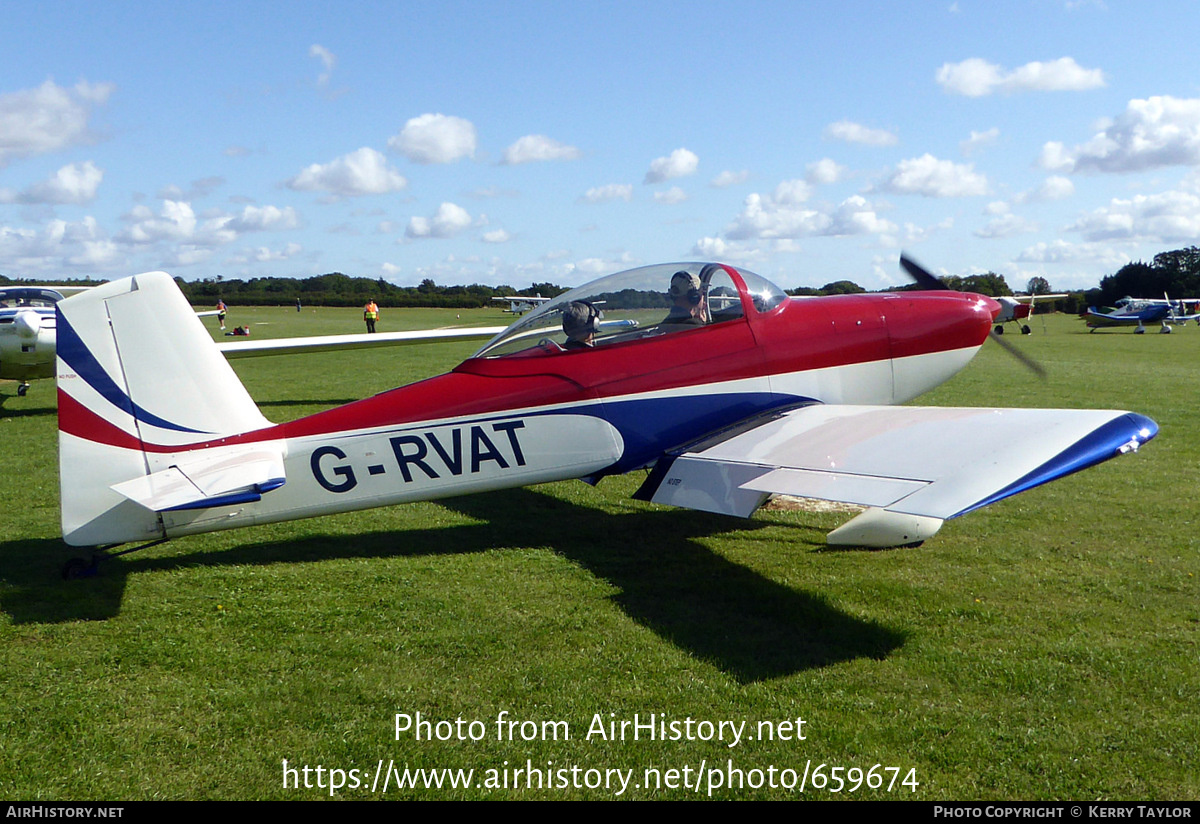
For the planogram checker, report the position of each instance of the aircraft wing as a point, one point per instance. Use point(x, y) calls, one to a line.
point(327, 343)
point(1035, 298)
point(914, 467)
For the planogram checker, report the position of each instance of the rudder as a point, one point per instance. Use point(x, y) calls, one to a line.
point(139, 382)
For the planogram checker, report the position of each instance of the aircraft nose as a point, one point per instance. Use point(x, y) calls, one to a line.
point(27, 324)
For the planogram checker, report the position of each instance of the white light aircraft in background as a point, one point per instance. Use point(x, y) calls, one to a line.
point(519, 304)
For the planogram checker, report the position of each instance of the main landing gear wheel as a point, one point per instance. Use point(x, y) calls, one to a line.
point(999, 329)
point(1025, 330)
point(77, 568)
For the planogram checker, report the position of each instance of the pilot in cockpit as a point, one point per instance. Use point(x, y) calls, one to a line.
point(579, 319)
point(689, 308)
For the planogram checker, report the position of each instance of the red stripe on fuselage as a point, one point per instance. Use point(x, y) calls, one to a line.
point(796, 336)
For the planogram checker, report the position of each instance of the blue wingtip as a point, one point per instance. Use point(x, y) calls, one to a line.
point(1117, 437)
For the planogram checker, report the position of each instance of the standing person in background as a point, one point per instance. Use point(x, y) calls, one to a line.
point(370, 314)
point(221, 312)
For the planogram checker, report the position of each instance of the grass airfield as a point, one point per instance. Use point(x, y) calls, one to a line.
point(1046, 647)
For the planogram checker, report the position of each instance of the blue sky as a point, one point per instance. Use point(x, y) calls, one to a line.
point(514, 142)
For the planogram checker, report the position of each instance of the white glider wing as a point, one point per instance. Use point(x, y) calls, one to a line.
point(328, 343)
point(914, 467)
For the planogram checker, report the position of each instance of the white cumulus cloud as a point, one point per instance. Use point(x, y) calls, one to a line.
point(977, 77)
point(362, 172)
point(435, 138)
point(927, 175)
point(1167, 217)
point(265, 218)
point(448, 221)
point(328, 61)
point(74, 184)
point(538, 147)
point(1005, 226)
point(978, 140)
point(850, 132)
point(783, 215)
point(612, 191)
point(671, 196)
point(824, 171)
point(49, 118)
point(177, 221)
point(679, 163)
point(1149, 134)
point(729, 178)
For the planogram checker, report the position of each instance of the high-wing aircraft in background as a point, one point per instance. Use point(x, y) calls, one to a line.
point(727, 403)
point(519, 304)
point(1016, 308)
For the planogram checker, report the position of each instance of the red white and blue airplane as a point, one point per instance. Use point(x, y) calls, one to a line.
point(742, 394)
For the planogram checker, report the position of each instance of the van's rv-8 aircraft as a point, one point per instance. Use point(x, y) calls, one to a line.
point(756, 395)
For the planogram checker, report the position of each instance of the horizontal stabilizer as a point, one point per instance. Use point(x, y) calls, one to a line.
point(208, 481)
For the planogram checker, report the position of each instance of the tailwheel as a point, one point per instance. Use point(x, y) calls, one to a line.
point(22, 389)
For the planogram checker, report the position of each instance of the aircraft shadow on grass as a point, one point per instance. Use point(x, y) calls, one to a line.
point(33, 411)
point(747, 625)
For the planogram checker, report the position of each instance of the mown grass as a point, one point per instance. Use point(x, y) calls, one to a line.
point(1044, 647)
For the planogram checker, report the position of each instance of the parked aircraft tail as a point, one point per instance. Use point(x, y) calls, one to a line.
point(145, 401)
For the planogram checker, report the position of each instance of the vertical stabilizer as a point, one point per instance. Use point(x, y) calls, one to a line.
point(139, 382)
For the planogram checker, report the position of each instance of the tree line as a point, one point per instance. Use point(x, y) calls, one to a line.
point(1175, 273)
point(337, 289)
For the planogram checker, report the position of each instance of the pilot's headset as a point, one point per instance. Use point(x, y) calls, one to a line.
point(686, 285)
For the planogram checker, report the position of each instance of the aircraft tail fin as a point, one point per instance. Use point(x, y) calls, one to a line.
point(141, 386)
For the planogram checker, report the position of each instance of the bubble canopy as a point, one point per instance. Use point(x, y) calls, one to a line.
point(637, 304)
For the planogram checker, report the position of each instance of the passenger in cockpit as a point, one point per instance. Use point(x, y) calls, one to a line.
point(689, 307)
point(579, 320)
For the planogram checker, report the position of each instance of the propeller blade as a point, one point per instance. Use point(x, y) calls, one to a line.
point(921, 275)
point(930, 283)
point(1026, 361)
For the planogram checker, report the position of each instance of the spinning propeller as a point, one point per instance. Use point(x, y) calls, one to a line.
point(928, 282)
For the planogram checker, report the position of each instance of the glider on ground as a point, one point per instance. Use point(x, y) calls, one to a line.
point(28, 335)
point(728, 395)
